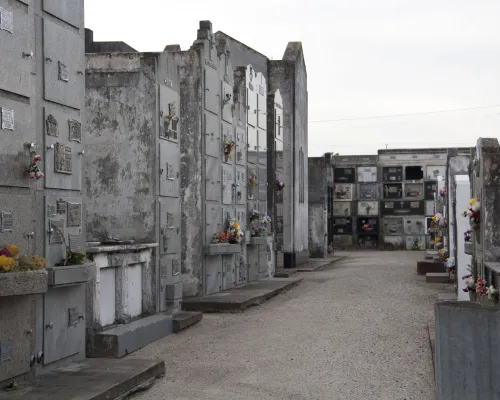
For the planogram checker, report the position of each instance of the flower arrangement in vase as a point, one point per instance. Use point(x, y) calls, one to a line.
point(439, 220)
point(11, 260)
point(467, 236)
point(474, 213)
point(252, 180)
point(279, 185)
point(33, 170)
point(232, 235)
point(442, 191)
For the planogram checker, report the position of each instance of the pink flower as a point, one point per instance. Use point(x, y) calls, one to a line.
point(39, 175)
point(37, 158)
point(32, 175)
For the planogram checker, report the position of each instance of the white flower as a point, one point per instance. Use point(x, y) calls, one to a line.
point(475, 207)
point(491, 291)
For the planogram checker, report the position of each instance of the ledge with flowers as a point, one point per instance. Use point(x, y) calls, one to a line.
point(259, 225)
point(477, 287)
point(21, 274)
point(227, 241)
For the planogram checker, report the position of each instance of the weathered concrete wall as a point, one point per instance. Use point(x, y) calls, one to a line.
point(290, 78)
point(467, 337)
point(121, 127)
point(318, 187)
point(192, 200)
point(242, 55)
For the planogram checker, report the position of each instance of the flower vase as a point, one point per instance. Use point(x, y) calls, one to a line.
point(472, 296)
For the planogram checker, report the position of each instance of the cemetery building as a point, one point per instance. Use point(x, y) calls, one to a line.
point(377, 202)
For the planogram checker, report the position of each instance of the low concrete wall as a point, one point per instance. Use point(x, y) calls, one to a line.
point(467, 343)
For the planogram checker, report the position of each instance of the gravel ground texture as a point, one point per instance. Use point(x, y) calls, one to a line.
point(354, 330)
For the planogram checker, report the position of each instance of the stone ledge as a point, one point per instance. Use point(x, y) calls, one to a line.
point(437, 277)
point(71, 274)
point(446, 297)
point(92, 379)
point(120, 248)
point(241, 298)
point(424, 267)
point(125, 339)
point(223, 248)
point(23, 283)
point(184, 319)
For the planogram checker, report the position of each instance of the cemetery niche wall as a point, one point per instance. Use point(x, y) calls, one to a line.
point(42, 299)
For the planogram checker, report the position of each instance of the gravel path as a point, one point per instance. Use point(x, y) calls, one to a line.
point(356, 330)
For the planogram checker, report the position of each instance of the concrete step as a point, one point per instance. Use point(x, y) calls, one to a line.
point(424, 267)
point(240, 298)
point(125, 339)
point(184, 319)
point(285, 273)
point(430, 254)
point(447, 297)
point(437, 277)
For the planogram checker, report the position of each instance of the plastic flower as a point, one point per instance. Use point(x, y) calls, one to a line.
point(37, 158)
point(13, 250)
point(7, 263)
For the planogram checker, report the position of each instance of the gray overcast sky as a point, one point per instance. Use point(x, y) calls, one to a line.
point(364, 58)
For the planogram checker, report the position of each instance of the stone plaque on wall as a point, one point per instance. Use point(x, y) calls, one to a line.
point(57, 232)
point(51, 210)
point(74, 214)
point(6, 20)
point(63, 73)
point(6, 221)
point(5, 351)
point(75, 242)
point(61, 207)
point(7, 117)
point(51, 126)
point(75, 131)
point(62, 159)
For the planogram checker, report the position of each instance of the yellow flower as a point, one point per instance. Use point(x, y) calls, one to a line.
point(7, 263)
point(472, 201)
point(434, 218)
point(236, 225)
point(38, 263)
point(13, 250)
point(437, 240)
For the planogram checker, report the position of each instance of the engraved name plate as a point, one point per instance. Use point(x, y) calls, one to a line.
point(73, 316)
point(74, 214)
point(6, 221)
point(51, 126)
point(56, 236)
point(7, 117)
point(51, 210)
point(75, 243)
point(62, 159)
point(75, 131)
point(63, 74)
point(61, 207)
point(6, 351)
point(6, 20)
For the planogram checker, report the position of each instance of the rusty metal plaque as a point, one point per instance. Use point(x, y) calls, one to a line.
point(7, 117)
point(57, 232)
point(74, 214)
point(63, 73)
point(75, 131)
point(51, 126)
point(6, 20)
point(63, 160)
point(6, 221)
point(73, 317)
point(6, 351)
point(75, 243)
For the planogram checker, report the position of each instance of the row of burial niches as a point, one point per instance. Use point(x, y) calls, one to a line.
point(394, 233)
point(410, 173)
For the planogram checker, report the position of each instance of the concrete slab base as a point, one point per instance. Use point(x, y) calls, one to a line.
point(125, 339)
point(317, 264)
point(241, 298)
point(447, 297)
point(92, 379)
point(184, 319)
point(424, 267)
point(285, 273)
point(437, 277)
